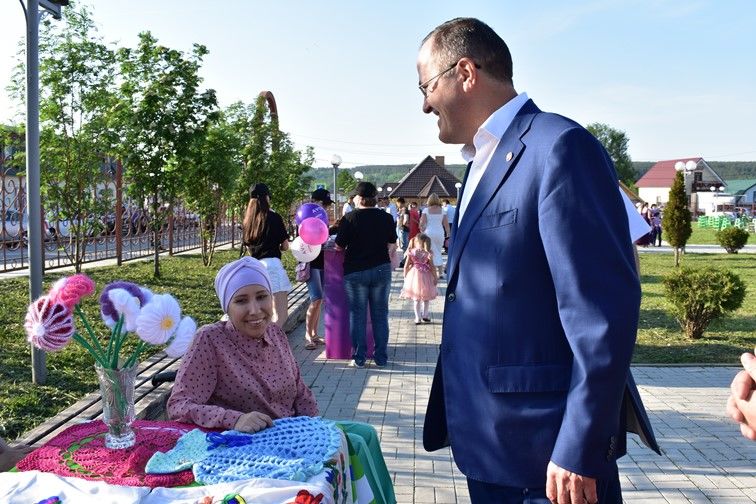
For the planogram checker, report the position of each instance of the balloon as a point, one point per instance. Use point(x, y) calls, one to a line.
point(303, 252)
point(311, 210)
point(313, 231)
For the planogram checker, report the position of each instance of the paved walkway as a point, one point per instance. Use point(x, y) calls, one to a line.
point(705, 461)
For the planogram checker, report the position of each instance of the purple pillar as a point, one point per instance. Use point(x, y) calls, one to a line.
point(338, 341)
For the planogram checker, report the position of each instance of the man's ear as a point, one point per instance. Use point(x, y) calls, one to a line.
point(469, 72)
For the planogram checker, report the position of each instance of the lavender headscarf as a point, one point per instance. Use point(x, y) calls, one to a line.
point(235, 275)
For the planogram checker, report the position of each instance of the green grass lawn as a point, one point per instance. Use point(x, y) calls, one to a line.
point(71, 373)
point(707, 236)
point(660, 339)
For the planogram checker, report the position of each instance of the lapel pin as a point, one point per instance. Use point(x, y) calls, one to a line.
point(509, 156)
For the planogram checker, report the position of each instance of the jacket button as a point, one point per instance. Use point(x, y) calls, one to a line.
point(451, 297)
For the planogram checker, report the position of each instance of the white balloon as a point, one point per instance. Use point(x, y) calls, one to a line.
point(303, 252)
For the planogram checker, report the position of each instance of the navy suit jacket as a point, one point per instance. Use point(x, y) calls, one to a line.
point(541, 314)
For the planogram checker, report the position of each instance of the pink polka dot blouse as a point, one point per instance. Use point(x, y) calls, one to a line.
point(226, 374)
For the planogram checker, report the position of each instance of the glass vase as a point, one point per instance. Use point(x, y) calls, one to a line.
point(117, 391)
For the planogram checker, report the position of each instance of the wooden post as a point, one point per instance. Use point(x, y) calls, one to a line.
point(119, 213)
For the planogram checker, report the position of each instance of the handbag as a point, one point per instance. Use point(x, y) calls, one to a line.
point(302, 272)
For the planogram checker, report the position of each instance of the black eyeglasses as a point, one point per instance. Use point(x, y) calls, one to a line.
point(424, 86)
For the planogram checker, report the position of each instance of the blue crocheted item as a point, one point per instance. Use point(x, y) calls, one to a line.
point(190, 448)
point(294, 448)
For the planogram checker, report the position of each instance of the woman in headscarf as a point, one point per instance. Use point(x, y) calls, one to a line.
point(264, 234)
point(240, 374)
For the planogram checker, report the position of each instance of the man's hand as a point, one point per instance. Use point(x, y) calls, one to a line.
point(741, 405)
point(565, 487)
point(253, 422)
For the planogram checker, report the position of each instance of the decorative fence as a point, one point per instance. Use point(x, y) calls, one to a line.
point(123, 234)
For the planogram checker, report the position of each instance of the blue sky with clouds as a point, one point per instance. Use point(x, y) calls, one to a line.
point(677, 76)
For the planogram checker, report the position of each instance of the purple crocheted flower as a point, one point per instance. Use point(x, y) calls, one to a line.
point(107, 308)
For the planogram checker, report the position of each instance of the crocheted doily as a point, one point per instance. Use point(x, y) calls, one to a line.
point(80, 451)
point(293, 448)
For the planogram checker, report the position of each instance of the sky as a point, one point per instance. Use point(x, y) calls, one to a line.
point(678, 77)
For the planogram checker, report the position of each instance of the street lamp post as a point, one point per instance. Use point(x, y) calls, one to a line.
point(359, 176)
point(458, 185)
point(335, 162)
point(33, 200)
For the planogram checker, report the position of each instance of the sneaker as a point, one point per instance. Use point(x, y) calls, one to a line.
point(357, 364)
point(380, 365)
point(417, 322)
point(426, 319)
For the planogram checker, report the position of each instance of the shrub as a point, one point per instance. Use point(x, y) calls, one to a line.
point(699, 296)
point(732, 239)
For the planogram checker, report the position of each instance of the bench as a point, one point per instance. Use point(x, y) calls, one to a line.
point(152, 386)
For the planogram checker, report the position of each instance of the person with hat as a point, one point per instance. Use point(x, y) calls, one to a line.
point(368, 236)
point(321, 197)
point(241, 373)
point(265, 236)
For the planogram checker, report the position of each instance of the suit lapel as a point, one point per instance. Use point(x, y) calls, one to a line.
point(496, 174)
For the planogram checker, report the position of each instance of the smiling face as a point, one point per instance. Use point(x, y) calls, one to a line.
point(443, 95)
point(250, 310)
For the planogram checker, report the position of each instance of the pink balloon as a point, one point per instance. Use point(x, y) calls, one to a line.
point(313, 231)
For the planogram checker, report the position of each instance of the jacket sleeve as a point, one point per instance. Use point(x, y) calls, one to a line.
point(584, 231)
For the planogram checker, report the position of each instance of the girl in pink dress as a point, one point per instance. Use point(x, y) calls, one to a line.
point(420, 278)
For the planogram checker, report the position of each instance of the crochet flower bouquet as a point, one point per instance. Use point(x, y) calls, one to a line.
point(125, 307)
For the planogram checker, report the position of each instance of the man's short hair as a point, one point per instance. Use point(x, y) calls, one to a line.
point(471, 38)
point(400, 200)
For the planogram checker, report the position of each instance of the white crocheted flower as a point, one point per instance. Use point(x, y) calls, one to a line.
point(158, 319)
point(127, 305)
point(183, 338)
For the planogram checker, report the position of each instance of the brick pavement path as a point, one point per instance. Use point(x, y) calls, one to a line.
point(706, 459)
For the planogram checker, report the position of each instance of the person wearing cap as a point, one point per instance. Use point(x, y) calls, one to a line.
point(315, 283)
point(240, 374)
point(368, 236)
point(265, 236)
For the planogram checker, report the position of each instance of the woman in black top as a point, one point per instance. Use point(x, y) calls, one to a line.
point(368, 236)
point(265, 236)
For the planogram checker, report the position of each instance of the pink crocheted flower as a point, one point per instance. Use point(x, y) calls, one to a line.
point(68, 291)
point(49, 325)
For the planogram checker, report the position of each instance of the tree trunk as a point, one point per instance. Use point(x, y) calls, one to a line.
point(677, 257)
point(156, 234)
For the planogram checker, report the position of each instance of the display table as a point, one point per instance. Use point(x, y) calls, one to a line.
point(75, 467)
point(338, 342)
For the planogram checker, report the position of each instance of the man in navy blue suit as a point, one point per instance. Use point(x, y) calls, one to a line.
point(532, 389)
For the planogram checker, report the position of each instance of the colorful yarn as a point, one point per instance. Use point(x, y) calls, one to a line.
point(69, 291)
point(50, 500)
point(79, 451)
point(108, 310)
point(293, 448)
point(49, 325)
point(234, 499)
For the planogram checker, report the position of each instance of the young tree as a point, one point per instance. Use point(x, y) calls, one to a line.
point(345, 181)
point(270, 157)
point(76, 91)
point(210, 176)
point(676, 222)
point(162, 114)
point(615, 142)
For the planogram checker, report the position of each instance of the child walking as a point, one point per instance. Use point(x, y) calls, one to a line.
point(420, 278)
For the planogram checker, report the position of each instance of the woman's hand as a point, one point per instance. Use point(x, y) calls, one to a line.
point(253, 422)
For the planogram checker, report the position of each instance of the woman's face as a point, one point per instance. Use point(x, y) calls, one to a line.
point(250, 310)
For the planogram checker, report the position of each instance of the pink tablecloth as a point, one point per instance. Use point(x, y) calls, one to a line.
point(338, 341)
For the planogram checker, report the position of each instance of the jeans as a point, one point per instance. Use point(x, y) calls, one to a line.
point(370, 285)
